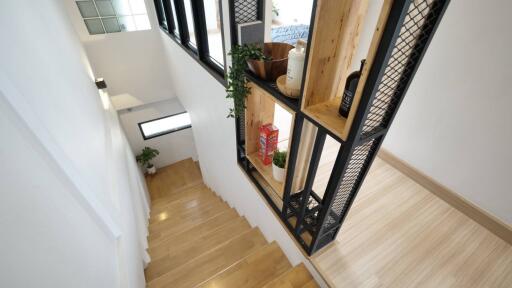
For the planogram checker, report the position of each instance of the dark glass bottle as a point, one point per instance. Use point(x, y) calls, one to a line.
point(350, 91)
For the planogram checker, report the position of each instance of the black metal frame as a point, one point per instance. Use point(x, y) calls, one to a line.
point(166, 131)
point(200, 53)
point(401, 49)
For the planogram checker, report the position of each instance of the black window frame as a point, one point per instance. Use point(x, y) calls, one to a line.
point(200, 53)
point(165, 132)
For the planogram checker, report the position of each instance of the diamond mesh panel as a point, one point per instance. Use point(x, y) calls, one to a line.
point(246, 11)
point(241, 126)
point(355, 170)
point(414, 34)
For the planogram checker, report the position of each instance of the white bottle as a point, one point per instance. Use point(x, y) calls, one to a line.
point(296, 58)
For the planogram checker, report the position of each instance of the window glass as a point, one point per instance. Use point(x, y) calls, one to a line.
point(161, 12)
point(87, 9)
point(213, 29)
point(112, 16)
point(162, 126)
point(176, 22)
point(105, 8)
point(111, 25)
point(122, 7)
point(190, 22)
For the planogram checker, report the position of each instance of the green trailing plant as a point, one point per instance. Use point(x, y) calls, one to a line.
point(237, 84)
point(145, 157)
point(279, 158)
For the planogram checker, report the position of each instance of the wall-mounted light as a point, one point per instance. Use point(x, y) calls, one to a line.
point(100, 83)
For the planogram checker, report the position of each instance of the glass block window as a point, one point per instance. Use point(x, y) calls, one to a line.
point(112, 16)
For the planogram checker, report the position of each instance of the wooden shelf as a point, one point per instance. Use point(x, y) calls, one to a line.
point(326, 114)
point(260, 108)
point(266, 173)
point(333, 47)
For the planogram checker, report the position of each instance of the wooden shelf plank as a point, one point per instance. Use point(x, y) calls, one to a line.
point(326, 114)
point(266, 172)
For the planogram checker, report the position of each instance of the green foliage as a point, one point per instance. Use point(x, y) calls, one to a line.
point(146, 156)
point(279, 158)
point(275, 10)
point(237, 84)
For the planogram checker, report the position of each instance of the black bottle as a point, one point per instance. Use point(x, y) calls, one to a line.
point(350, 91)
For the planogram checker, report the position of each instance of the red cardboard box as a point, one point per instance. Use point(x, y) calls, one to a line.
point(268, 142)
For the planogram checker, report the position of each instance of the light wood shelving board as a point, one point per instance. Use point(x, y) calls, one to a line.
point(334, 42)
point(266, 173)
point(260, 107)
point(326, 114)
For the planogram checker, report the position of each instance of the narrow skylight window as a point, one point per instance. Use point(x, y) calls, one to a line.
point(111, 16)
point(165, 125)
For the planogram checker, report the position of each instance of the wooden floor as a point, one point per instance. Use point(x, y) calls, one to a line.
point(197, 240)
point(398, 234)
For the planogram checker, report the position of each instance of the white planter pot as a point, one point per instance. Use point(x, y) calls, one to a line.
point(278, 173)
point(151, 170)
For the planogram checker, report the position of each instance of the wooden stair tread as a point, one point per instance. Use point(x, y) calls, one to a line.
point(176, 195)
point(200, 212)
point(173, 177)
point(181, 209)
point(311, 284)
point(254, 270)
point(296, 277)
point(176, 241)
point(177, 226)
point(213, 262)
point(182, 195)
point(195, 247)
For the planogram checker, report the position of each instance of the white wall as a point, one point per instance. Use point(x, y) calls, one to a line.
point(455, 122)
point(72, 204)
point(130, 62)
point(204, 98)
point(173, 147)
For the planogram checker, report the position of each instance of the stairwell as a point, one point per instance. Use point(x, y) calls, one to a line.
point(197, 240)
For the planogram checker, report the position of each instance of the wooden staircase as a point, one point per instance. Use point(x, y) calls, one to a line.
point(197, 240)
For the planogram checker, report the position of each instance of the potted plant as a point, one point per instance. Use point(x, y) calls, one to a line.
point(145, 157)
point(278, 163)
point(237, 84)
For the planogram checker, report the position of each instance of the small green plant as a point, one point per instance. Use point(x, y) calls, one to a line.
point(146, 156)
point(237, 84)
point(279, 158)
point(275, 10)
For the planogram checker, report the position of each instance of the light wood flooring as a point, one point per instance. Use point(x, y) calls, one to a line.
point(197, 240)
point(398, 234)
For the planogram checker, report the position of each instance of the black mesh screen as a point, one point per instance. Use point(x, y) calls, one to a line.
point(414, 34)
point(354, 172)
point(241, 126)
point(245, 11)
